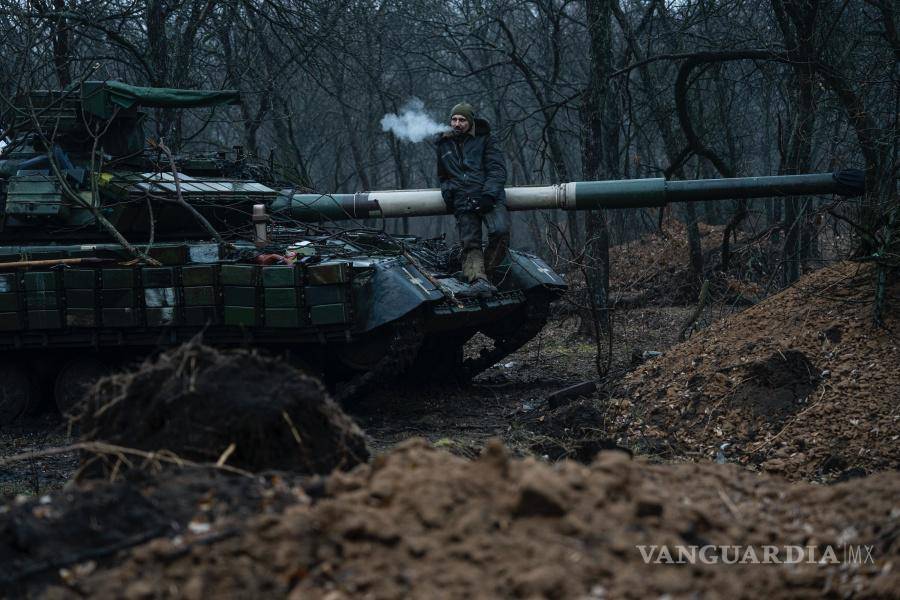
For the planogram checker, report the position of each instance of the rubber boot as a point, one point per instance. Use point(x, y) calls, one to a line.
point(469, 274)
point(469, 266)
point(473, 267)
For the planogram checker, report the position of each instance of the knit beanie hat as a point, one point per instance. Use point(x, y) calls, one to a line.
point(465, 109)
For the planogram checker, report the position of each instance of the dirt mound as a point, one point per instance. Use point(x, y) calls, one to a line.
point(238, 408)
point(422, 523)
point(802, 384)
point(655, 269)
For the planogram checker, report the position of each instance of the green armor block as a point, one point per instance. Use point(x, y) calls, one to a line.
point(80, 317)
point(118, 278)
point(79, 278)
point(200, 296)
point(200, 316)
point(282, 317)
point(119, 317)
point(328, 314)
point(163, 297)
point(160, 317)
point(117, 298)
point(81, 298)
point(240, 315)
point(9, 282)
point(245, 275)
point(280, 297)
point(324, 294)
point(329, 273)
point(40, 281)
point(9, 302)
point(239, 296)
point(158, 278)
point(278, 276)
point(198, 275)
point(44, 319)
point(42, 300)
point(36, 195)
point(10, 321)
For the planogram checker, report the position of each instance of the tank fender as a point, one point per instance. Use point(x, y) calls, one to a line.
point(390, 290)
point(527, 271)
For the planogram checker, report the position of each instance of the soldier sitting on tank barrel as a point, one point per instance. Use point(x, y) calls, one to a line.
point(472, 173)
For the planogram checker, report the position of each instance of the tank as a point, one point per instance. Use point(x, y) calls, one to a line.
point(111, 249)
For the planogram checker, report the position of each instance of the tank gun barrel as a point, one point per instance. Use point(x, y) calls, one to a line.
point(580, 195)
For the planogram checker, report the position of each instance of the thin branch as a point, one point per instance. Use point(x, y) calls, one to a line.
point(179, 199)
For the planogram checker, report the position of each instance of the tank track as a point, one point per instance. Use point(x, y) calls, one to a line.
point(406, 338)
point(511, 337)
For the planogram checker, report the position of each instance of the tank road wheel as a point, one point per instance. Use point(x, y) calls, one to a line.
point(17, 391)
point(395, 353)
point(511, 333)
point(75, 378)
point(364, 355)
point(440, 359)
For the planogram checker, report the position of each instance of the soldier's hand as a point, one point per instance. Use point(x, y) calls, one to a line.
point(486, 204)
point(472, 203)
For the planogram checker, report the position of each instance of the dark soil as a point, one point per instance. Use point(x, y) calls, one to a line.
point(40, 538)
point(41, 474)
point(418, 522)
point(237, 408)
point(802, 384)
point(509, 399)
point(774, 388)
point(573, 430)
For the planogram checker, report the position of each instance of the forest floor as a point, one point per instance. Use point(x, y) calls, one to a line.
point(776, 426)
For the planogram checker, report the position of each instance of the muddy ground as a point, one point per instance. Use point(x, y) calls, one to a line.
point(461, 418)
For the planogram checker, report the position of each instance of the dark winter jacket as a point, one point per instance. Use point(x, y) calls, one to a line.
point(470, 165)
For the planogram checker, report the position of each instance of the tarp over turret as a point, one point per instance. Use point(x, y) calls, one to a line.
point(100, 98)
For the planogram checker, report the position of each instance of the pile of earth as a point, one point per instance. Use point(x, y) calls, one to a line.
point(655, 269)
point(802, 384)
point(419, 522)
point(237, 409)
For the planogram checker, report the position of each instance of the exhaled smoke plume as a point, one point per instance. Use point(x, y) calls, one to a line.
point(412, 124)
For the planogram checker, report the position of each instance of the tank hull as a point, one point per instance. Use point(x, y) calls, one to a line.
point(356, 320)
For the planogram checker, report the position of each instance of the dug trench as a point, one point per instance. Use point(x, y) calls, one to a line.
point(778, 394)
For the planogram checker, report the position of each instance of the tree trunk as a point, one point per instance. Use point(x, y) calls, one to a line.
point(797, 20)
point(62, 46)
point(594, 106)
